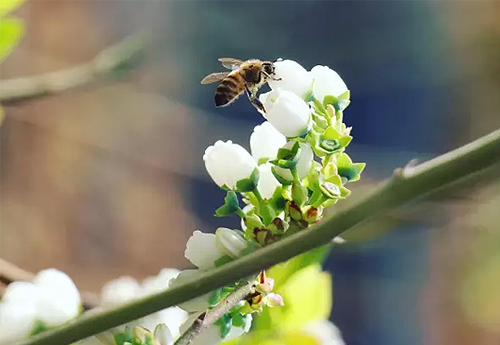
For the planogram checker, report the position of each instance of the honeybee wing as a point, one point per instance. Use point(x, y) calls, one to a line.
point(214, 77)
point(230, 63)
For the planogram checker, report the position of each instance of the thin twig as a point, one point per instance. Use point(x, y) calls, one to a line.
point(410, 184)
point(210, 317)
point(110, 60)
point(10, 273)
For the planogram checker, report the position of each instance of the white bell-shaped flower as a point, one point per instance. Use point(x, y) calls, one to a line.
point(119, 291)
point(196, 304)
point(327, 82)
point(227, 163)
point(159, 282)
point(293, 76)
point(267, 182)
point(287, 112)
point(163, 335)
point(303, 165)
point(16, 320)
point(59, 299)
point(211, 335)
point(232, 242)
point(203, 250)
point(265, 141)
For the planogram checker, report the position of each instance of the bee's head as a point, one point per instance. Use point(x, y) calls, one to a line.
point(268, 67)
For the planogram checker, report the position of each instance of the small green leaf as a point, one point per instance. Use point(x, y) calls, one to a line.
point(215, 296)
point(11, 31)
point(225, 324)
point(7, 6)
point(231, 205)
point(238, 320)
point(248, 184)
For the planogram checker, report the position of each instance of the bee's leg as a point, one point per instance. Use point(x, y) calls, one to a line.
point(252, 97)
point(272, 77)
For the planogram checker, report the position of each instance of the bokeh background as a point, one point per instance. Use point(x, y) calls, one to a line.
point(108, 179)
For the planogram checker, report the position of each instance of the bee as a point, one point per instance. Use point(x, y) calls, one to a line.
point(245, 76)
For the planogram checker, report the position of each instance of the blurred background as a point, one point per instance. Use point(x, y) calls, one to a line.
point(107, 179)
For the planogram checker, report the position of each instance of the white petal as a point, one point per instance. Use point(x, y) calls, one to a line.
point(227, 163)
point(303, 166)
point(202, 250)
point(163, 335)
point(265, 141)
point(59, 299)
point(160, 282)
point(231, 241)
point(16, 321)
point(267, 182)
point(325, 332)
point(21, 292)
point(196, 304)
point(118, 291)
point(327, 82)
point(288, 113)
point(293, 76)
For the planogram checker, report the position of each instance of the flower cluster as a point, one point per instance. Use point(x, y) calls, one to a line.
point(28, 308)
point(297, 166)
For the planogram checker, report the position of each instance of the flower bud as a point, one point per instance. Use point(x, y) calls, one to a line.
point(274, 300)
point(267, 181)
point(228, 163)
point(59, 299)
point(16, 321)
point(202, 250)
point(327, 82)
point(265, 142)
point(287, 112)
point(231, 241)
point(293, 77)
point(303, 165)
point(163, 335)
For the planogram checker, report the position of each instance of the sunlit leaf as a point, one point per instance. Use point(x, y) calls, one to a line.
point(7, 6)
point(11, 31)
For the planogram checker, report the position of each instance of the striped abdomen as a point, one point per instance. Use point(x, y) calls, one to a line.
point(229, 89)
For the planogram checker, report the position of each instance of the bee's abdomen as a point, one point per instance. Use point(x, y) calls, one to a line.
point(228, 90)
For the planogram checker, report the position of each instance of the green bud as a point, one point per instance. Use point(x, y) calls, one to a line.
point(299, 193)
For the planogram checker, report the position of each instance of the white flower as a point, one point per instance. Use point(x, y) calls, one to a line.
point(293, 76)
point(196, 304)
point(265, 141)
point(287, 112)
point(267, 182)
point(230, 241)
point(303, 165)
point(16, 321)
point(227, 163)
point(327, 82)
point(211, 336)
point(325, 332)
point(159, 282)
point(120, 290)
point(203, 250)
point(59, 299)
point(163, 335)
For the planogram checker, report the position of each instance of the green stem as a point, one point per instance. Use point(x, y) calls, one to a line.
point(295, 174)
point(257, 194)
point(240, 213)
point(406, 184)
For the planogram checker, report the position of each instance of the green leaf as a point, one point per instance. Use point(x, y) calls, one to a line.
point(7, 6)
point(248, 184)
point(231, 205)
point(11, 31)
point(225, 323)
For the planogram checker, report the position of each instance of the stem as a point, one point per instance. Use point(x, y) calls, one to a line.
point(240, 213)
point(206, 319)
point(406, 184)
point(258, 195)
point(105, 63)
point(295, 174)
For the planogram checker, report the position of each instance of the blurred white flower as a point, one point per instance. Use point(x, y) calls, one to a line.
point(52, 298)
point(325, 332)
point(227, 163)
point(196, 304)
point(287, 112)
point(265, 141)
point(203, 249)
point(327, 82)
point(293, 76)
point(267, 182)
point(303, 165)
point(126, 289)
point(211, 336)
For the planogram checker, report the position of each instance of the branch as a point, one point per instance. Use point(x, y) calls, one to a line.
point(407, 184)
point(10, 273)
point(112, 59)
point(210, 317)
